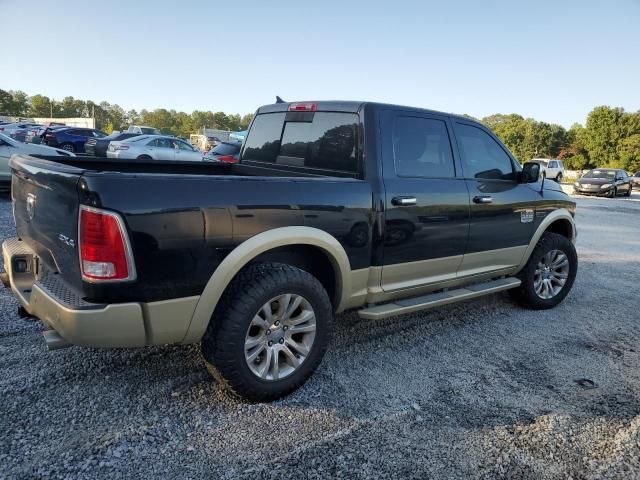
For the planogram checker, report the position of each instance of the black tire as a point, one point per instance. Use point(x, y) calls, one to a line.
point(144, 157)
point(628, 194)
point(559, 178)
point(613, 193)
point(223, 341)
point(69, 147)
point(525, 294)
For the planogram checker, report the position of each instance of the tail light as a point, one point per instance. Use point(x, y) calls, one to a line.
point(105, 253)
point(227, 159)
point(303, 107)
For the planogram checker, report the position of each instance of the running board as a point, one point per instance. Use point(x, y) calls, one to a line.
point(438, 299)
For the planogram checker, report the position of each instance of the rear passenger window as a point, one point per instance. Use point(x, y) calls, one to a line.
point(482, 157)
point(421, 148)
point(322, 140)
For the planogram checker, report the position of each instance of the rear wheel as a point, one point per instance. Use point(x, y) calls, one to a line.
point(269, 331)
point(69, 147)
point(144, 157)
point(549, 274)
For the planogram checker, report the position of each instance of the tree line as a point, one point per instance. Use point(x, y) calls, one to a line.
point(110, 117)
point(610, 136)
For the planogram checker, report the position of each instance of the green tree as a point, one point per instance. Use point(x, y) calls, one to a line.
point(41, 106)
point(629, 153)
point(605, 130)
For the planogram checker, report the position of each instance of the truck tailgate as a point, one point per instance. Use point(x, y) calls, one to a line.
point(45, 205)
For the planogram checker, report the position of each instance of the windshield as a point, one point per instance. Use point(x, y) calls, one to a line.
point(136, 139)
point(149, 131)
point(604, 174)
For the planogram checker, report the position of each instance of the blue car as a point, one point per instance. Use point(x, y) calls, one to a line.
point(71, 139)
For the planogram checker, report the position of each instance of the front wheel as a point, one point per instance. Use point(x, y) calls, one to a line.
point(269, 331)
point(613, 192)
point(559, 178)
point(549, 274)
point(68, 147)
point(628, 194)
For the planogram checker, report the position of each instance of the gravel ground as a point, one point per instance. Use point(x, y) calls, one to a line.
point(481, 389)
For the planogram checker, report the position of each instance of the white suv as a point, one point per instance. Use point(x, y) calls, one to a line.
point(550, 168)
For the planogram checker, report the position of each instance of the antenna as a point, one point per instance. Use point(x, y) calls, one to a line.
point(279, 100)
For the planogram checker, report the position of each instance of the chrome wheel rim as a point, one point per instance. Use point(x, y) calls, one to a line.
point(280, 337)
point(68, 148)
point(551, 274)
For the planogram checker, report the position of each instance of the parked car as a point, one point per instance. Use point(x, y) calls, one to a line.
point(154, 147)
point(635, 179)
point(253, 259)
point(552, 169)
point(17, 129)
point(10, 146)
point(36, 134)
point(228, 152)
point(71, 139)
point(609, 182)
point(142, 130)
point(98, 146)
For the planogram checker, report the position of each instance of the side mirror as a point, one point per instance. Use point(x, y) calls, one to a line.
point(530, 172)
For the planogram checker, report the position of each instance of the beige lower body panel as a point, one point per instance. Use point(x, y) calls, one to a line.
point(134, 324)
point(384, 284)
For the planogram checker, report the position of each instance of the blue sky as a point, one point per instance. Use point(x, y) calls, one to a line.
point(551, 60)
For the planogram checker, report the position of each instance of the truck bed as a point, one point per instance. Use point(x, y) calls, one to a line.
point(182, 218)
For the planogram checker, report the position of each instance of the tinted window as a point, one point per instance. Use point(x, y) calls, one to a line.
point(553, 164)
point(263, 140)
point(482, 157)
point(421, 148)
point(226, 149)
point(323, 140)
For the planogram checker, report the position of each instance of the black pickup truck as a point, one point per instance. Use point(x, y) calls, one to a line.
point(332, 206)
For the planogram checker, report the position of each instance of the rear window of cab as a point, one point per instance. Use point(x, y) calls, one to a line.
point(312, 140)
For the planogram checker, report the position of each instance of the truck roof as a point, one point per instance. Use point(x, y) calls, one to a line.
point(350, 106)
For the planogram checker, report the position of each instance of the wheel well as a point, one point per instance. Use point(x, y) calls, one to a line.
point(561, 227)
point(310, 259)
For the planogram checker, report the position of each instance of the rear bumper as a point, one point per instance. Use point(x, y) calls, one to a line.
point(83, 323)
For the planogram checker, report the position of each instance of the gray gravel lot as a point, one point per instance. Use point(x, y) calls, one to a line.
point(481, 389)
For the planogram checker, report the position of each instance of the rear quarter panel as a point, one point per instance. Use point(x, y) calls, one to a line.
point(182, 227)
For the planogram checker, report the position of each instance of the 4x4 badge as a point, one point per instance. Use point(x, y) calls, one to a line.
point(526, 216)
point(31, 205)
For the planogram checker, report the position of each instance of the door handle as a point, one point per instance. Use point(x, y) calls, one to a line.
point(483, 199)
point(404, 201)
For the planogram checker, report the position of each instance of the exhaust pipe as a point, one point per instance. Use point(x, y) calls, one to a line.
point(54, 341)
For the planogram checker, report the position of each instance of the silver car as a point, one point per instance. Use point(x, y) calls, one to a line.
point(9, 146)
point(154, 147)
